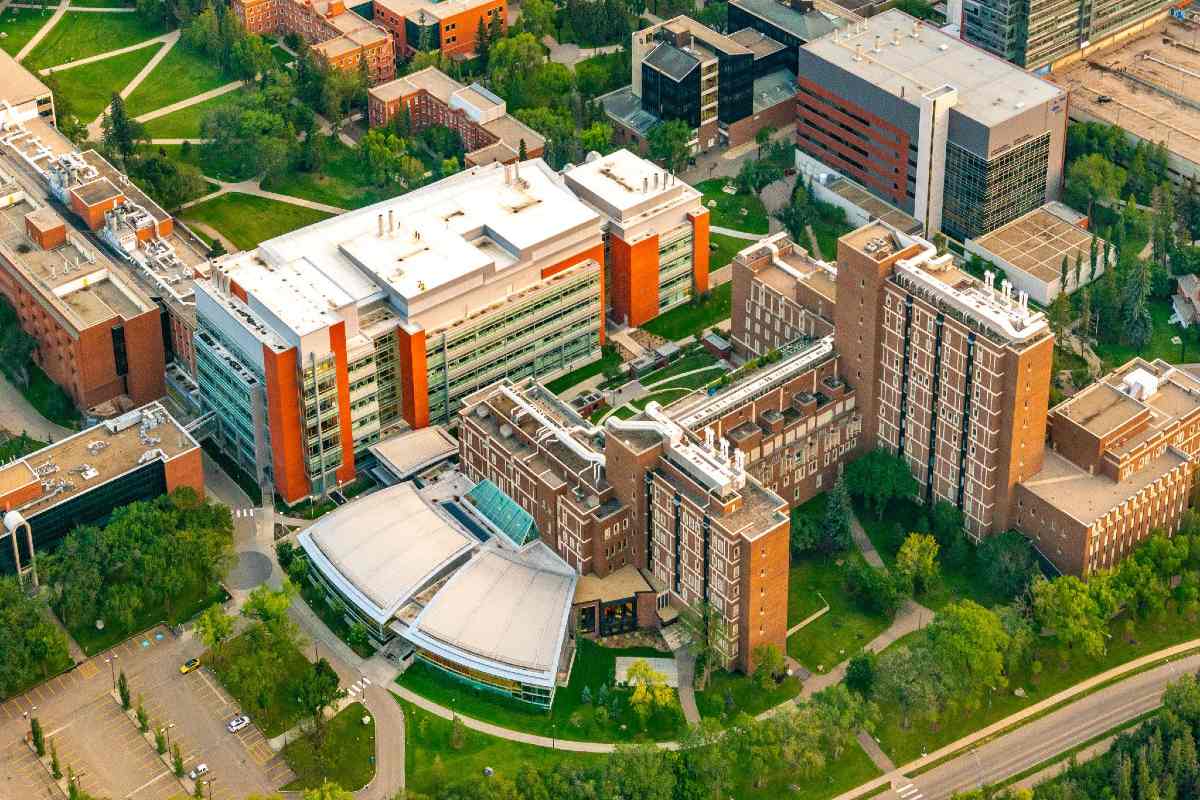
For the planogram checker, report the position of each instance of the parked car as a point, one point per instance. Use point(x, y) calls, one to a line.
point(198, 770)
point(191, 665)
point(237, 723)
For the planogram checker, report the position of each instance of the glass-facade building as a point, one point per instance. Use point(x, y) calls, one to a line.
point(980, 196)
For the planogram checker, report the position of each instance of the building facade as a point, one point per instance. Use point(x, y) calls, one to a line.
point(343, 38)
point(316, 343)
point(954, 136)
point(656, 238)
point(450, 26)
point(480, 118)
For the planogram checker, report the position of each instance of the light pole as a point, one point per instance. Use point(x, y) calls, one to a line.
point(210, 782)
point(166, 732)
point(111, 659)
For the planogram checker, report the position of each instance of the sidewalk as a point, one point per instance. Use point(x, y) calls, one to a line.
point(191, 101)
point(36, 39)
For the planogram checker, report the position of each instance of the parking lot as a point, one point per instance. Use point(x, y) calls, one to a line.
point(104, 748)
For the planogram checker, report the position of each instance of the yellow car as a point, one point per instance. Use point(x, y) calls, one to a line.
point(190, 665)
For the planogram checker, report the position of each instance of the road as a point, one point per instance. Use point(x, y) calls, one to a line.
point(1047, 736)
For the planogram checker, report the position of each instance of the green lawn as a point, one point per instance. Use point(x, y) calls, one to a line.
point(247, 220)
point(727, 213)
point(747, 695)
point(697, 358)
point(427, 738)
point(185, 123)
point(905, 745)
point(182, 73)
point(853, 769)
point(87, 33)
point(610, 358)
point(282, 57)
point(339, 182)
point(50, 400)
point(19, 25)
point(101, 3)
point(282, 710)
point(346, 756)
point(727, 247)
point(187, 604)
point(1114, 355)
point(843, 630)
point(90, 88)
point(18, 446)
point(827, 235)
point(594, 666)
point(691, 319)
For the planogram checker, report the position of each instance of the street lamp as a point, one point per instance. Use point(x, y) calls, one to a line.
point(210, 782)
point(111, 659)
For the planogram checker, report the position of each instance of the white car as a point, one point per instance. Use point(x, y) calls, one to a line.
point(198, 770)
point(237, 723)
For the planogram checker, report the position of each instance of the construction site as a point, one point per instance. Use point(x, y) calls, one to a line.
point(1150, 86)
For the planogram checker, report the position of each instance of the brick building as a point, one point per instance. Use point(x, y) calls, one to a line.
point(655, 234)
point(781, 294)
point(337, 34)
point(1121, 464)
point(660, 518)
point(489, 133)
point(953, 372)
point(449, 26)
point(81, 479)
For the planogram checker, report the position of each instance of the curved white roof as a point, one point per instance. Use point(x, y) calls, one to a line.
point(384, 547)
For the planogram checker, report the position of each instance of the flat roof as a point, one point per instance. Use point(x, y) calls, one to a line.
point(1126, 76)
point(756, 42)
point(384, 547)
point(438, 9)
point(626, 108)
point(1087, 497)
point(478, 222)
point(805, 25)
point(412, 451)
point(990, 90)
point(1100, 409)
point(503, 608)
point(1036, 243)
point(96, 455)
point(20, 85)
point(877, 209)
point(618, 585)
point(778, 86)
point(624, 182)
point(672, 61)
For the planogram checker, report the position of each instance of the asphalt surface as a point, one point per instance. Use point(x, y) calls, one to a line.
point(1036, 741)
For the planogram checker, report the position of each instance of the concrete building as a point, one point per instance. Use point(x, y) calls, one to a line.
point(1030, 251)
point(446, 569)
point(316, 343)
point(489, 133)
point(643, 494)
point(1121, 466)
point(960, 139)
point(23, 97)
point(655, 234)
point(792, 24)
point(341, 37)
point(780, 295)
point(81, 479)
point(446, 25)
point(726, 87)
point(1047, 36)
point(952, 372)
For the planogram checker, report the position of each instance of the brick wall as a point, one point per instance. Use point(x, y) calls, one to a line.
point(764, 595)
point(186, 469)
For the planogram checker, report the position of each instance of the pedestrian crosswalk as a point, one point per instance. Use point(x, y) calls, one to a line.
point(909, 791)
point(360, 686)
point(244, 512)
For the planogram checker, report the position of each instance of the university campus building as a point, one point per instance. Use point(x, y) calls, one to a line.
point(654, 517)
point(337, 34)
point(79, 480)
point(449, 26)
point(956, 137)
point(480, 118)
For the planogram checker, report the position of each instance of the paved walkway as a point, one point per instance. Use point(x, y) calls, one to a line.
point(110, 53)
point(571, 54)
point(811, 618)
point(17, 415)
point(685, 664)
point(252, 186)
point(191, 101)
point(213, 233)
point(110, 10)
point(168, 43)
point(872, 749)
point(864, 543)
point(179, 141)
point(751, 237)
point(36, 39)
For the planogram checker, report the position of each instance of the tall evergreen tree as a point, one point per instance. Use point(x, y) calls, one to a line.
point(1062, 276)
point(121, 133)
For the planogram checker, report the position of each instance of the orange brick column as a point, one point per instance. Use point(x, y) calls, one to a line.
point(414, 377)
point(700, 251)
point(635, 279)
point(337, 343)
point(286, 424)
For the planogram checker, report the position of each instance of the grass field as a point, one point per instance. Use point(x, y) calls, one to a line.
point(90, 87)
point(594, 667)
point(247, 220)
point(345, 757)
point(611, 358)
point(182, 73)
point(727, 213)
point(1160, 346)
point(689, 319)
point(85, 33)
point(339, 182)
point(696, 359)
point(746, 694)
point(427, 738)
point(19, 25)
point(185, 123)
point(827, 235)
point(726, 248)
point(101, 3)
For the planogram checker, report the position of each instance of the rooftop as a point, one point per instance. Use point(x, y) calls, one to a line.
point(408, 453)
point(617, 585)
point(437, 9)
point(774, 88)
point(1134, 80)
point(94, 456)
point(625, 185)
point(1037, 242)
point(20, 85)
point(757, 43)
point(1087, 497)
point(790, 265)
point(804, 25)
point(626, 108)
point(384, 547)
point(877, 209)
point(672, 61)
point(910, 65)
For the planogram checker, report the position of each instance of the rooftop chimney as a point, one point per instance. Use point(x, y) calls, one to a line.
point(896, 36)
point(645, 183)
point(656, 180)
point(381, 226)
point(916, 34)
point(858, 52)
point(391, 221)
point(878, 42)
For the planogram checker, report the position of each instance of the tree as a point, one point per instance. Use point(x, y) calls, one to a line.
point(917, 561)
point(269, 606)
point(1085, 311)
point(804, 536)
point(37, 736)
point(55, 767)
point(511, 64)
point(639, 772)
point(668, 144)
point(797, 215)
point(214, 627)
point(756, 175)
point(835, 528)
point(123, 690)
point(1062, 277)
point(843, 714)
point(1138, 325)
point(358, 638)
point(861, 672)
point(650, 690)
point(763, 137)
point(458, 733)
point(143, 719)
point(537, 17)
point(768, 663)
point(160, 739)
point(1093, 179)
point(708, 760)
point(1066, 606)
point(318, 689)
point(30, 644)
point(968, 642)
point(708, 634)
point(874, 589)
point(328, 791)
point(121, 133)
point(176, 760)
point(1009, 563)
point(879, 478)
